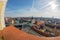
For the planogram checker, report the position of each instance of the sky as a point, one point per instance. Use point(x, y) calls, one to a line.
point(35, 8)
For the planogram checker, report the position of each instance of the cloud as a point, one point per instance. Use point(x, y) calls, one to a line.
point(32, 12)
point(39, 8)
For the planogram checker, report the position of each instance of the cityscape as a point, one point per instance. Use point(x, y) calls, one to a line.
point(29, 19)
point(38, 26)
point(37, 17)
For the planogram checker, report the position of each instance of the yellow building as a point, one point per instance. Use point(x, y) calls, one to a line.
point(2, 8)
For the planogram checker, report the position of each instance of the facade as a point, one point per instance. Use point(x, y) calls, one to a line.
point(2, 9)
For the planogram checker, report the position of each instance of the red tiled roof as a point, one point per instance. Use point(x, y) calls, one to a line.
point(0, 33)
point(38, 22)
point(12, 33)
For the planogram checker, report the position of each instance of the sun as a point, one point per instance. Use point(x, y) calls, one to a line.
point(53, 5)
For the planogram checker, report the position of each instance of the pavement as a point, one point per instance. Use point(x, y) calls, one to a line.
point(28, 29)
